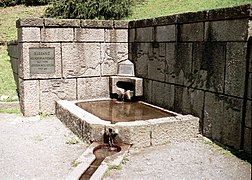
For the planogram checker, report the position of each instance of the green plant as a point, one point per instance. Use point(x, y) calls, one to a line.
point(75, 163)
point(89, 9)
point(73, 140)
point(113, 166)
point(10, 111)
point(43, 115)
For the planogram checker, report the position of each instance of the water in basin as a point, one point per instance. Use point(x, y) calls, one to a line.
point(117, 111)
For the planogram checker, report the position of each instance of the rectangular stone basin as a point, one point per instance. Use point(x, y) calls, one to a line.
point(138, 123)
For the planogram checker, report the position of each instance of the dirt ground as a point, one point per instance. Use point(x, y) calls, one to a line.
point(35, 148)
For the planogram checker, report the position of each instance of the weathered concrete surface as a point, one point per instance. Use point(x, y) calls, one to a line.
point(191, 159)
point(35, 148)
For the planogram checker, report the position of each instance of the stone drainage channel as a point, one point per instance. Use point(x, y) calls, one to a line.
point(95, 161)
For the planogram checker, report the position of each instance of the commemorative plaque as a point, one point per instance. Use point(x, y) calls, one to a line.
point(42, 60)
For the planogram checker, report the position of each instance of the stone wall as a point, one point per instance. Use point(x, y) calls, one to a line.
point(85, 54)
point(200, 64)
point(195, 63)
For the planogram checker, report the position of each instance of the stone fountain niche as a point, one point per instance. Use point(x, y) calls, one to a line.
point(136, 123)
point(125, 85)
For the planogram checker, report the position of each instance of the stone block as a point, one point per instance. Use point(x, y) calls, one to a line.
point(13, 50)
point(249, 90)
point(248, 117)
point(93, 88)
point(229, 13)
point(147, 90)
point(111, 55)
point(191, 32)
point(183, 63)
point(165, 33)
point(227, 30)
point(140, 57)
point(89, 35)
point(169, 99)
point(250, 50)
point(144, 34)
point(29, 22)
point(213, 63)
point(53, 22)
point(116, 35)
point(132, 35)
point(24, 70)
point(192, 102)
point(235, 69)
point(170, 62)
point(53, 90)
point(119, 24)
point(14, 65)
point(159, 93)
point(178, 98)
point(137, 133)
point(165, 20)
point(222, 119)
point(173, 129)
point(29, 34)
point(247, 140)
point(29, 97)
point(57, 34)
point(162, 95)
point(96, 23)
point(81, 59)
point(198, 77)
point(156, 64)
point(192, 17)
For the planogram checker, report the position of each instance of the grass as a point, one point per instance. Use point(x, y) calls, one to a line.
point(11, 111)
point(156, 8)
point(144, 9)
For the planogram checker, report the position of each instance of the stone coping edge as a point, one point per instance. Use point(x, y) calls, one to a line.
point(74, 23)
point(8, 105)
point(86, 159)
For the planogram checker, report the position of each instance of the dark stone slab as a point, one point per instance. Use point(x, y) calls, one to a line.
point(144, 34)
point(235, 69)
point(53, 22)
point(165, 20)
point(156, 63)
point(147, 89)
point(183, 63)
point(97, 23)
point(192, 17)
point(214, 63)
point(248, 117)
point(193, 101)
point(247, 140)
point(222, 119)
point(191, 32)
point(238, 12)
point(227, 30)
point(178, 99)
point(198, 76)
point(29, 22)
point(249, 90)
point(170, 62)
point(140, 57)
point(165, 33)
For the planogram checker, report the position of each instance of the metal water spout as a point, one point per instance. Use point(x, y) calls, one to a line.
point(110, 136)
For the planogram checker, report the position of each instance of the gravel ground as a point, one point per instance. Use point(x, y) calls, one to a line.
point(34, 148)
point(195, 159)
